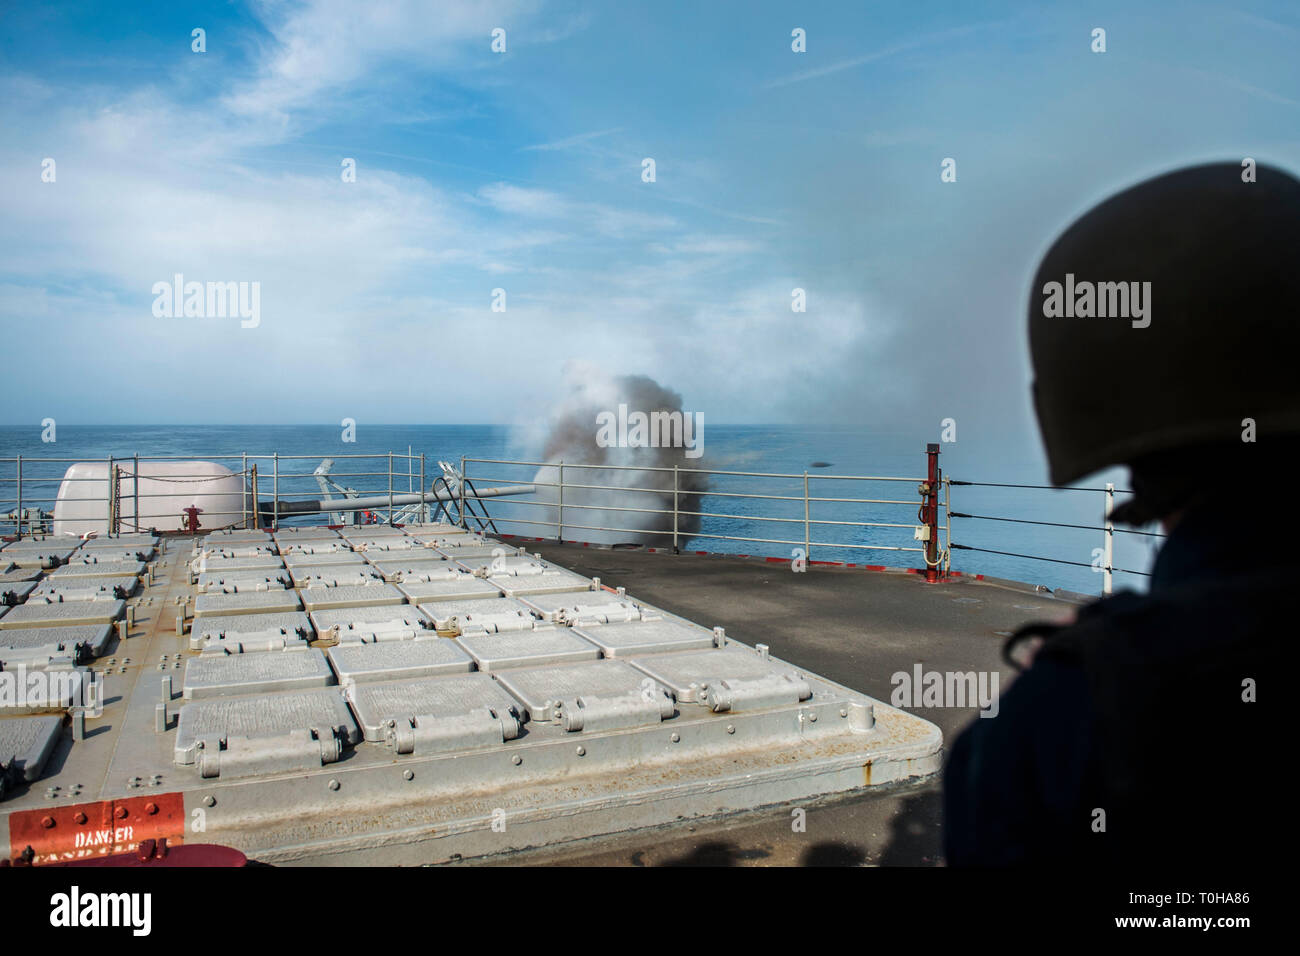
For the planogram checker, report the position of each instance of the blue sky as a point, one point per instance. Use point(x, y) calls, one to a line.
point(522, 171)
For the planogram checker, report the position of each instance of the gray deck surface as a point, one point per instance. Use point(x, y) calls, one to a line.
point(863, 626)
point(851, 626)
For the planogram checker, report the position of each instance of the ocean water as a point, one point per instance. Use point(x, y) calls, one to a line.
point(790, 450)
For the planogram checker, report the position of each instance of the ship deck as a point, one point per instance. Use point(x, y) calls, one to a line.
point(856, 626)
point(848, 630)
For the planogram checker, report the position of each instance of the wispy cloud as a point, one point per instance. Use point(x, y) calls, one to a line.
point(598, 217)
point(571, 141)
point(929, 39)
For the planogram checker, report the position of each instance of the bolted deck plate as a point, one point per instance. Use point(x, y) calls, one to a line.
point(337, 576)
point(494, 652)
point(542, 689)
point(38, 646)
point(377, 703)
point(91, 567)
point(233, 582)
point(15, 592)
point(685, 673)
point(463, 587)
point(547, 582)
point(296, 668)
point(442, 612)
point(298, 561)
point(370, 618)
point(40, 614)
point(427, 656)
point(218, 562)
point(216, 604)
point(351, 595)
point(622, 640)
point(262, 716)
point(232, 626)
point(26, 743)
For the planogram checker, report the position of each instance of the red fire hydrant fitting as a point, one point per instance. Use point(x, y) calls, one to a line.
point(190, 522)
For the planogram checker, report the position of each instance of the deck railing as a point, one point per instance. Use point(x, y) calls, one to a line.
point(807, 515)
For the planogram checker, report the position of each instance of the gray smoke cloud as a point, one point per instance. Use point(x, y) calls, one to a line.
point(639, 478)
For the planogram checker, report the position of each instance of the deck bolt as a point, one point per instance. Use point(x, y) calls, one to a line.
point(731, 728)
point(47, 822)
point(120, 813)
point(516, 760)
point(582, 751)
point(209, 800)
point(334, 784)
point(151, 808)
point(813, 716)
point(79, 817)
point(409, 774)
point(676, 738)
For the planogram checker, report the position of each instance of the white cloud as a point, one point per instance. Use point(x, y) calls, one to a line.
point(321, 48)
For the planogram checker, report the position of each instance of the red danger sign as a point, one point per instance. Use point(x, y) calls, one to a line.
point(60, 834)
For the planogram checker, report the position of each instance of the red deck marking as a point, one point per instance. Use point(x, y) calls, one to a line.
point(194, 854)
point(104, 828)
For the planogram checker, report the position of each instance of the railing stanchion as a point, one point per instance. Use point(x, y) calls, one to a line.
point(947, 527)
point(243, 473)
point(463, 478)
point(135, 491)
point(19, 514)
point(424, 505)
point(559, 523)
point(253, 509)
point(676, 548)
point(807, 533)
point(1109, 535)
point(275, 491)
point(112, 497)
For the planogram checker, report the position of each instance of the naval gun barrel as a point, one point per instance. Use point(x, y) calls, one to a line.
point(376, 502)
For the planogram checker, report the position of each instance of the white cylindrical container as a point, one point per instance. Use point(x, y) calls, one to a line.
point(166, 489)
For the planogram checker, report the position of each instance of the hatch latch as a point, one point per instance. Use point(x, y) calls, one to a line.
point(240, 756)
